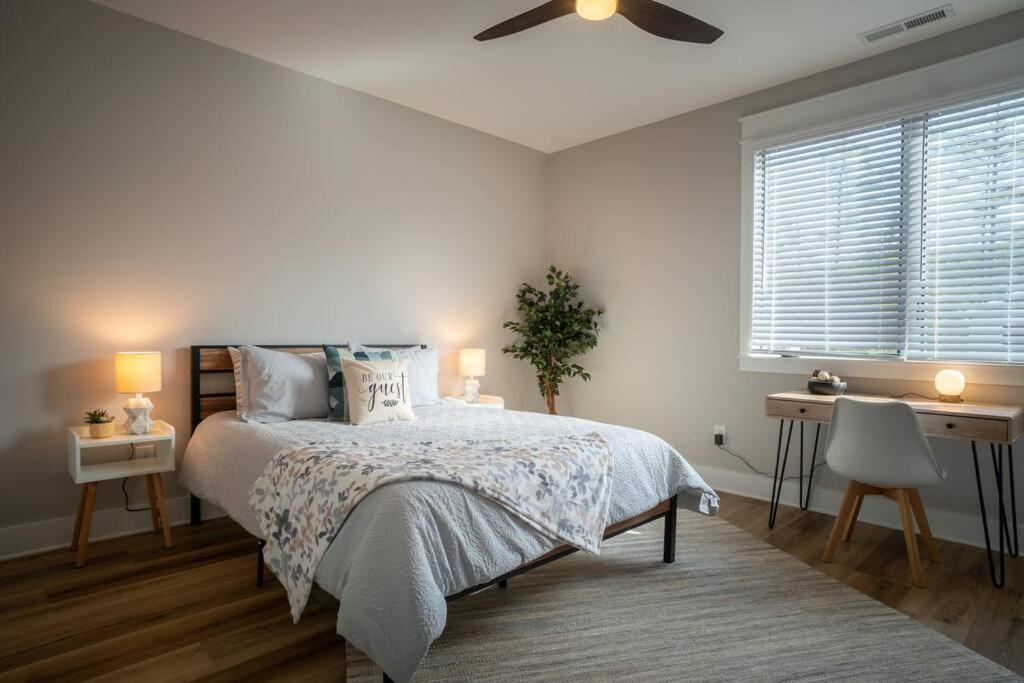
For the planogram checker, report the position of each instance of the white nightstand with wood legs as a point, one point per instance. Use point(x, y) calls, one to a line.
point(87, 476)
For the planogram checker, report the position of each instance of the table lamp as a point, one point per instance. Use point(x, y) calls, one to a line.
point(137, 372)
point(472, 363)
point(950, 384)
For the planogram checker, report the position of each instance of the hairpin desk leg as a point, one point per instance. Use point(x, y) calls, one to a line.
point(998, 578)
point(780, 472)
point(1015, 549)
point(805, 498)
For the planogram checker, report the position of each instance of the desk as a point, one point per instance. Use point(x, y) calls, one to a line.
point(999, 425)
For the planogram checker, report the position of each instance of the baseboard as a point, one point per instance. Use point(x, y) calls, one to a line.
point(946, 524)
point(51, 534)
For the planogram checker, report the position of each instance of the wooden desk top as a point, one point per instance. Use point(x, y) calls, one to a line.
point(980, 421)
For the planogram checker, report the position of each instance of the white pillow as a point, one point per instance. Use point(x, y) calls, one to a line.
point(281, 386)
point(377, 390)
point(423, 368)
point(241, 386)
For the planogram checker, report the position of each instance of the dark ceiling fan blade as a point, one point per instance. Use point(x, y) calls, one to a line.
point(529, 19)
point(667, 22)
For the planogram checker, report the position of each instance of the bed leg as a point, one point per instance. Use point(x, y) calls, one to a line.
point(195, 508)
point(670, 530)
point(259, 562)
point(503, 583)
point(343, 674)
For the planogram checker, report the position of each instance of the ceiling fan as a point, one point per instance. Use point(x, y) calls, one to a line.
point(653, 17)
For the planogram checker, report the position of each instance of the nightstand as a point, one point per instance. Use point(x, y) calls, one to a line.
point(485, 401)
point(87, 476)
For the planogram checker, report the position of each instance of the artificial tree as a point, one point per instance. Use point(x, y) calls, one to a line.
point(554, 328)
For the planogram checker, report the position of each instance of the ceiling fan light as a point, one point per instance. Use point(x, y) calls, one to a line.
point(596, 10)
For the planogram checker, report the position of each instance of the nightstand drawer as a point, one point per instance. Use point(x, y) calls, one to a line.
point(798, 410)
point(972, 428)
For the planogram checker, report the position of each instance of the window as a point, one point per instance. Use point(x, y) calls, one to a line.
point(901, 240)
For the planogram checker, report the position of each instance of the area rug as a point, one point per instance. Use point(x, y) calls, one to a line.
point(731, 608)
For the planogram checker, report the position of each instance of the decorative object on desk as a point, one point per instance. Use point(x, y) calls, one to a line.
point(823, 383)
point(137, 372)
point(472, 364)
point(554, 328)
point(101, 425)
point(950, 385)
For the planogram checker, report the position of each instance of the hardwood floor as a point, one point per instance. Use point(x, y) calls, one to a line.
point(138, 611)
point(959, 600)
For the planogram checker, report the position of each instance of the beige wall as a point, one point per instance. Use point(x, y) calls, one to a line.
point(159, 191)
point(649, 220)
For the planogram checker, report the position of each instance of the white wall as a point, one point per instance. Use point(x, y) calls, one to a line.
point(159, 191)
point(649, 220)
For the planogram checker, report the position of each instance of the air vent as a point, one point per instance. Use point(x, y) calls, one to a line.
point(909, 24)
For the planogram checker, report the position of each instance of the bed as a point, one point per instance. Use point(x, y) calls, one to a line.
point(411, 547)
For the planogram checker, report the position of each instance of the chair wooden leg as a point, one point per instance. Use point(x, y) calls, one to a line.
point(78, 516)
point(154, 512)
point(839, 528)
point(907, 519)
point(83, 533)
point(853, 519)
point(161, 503)
point(922, 523)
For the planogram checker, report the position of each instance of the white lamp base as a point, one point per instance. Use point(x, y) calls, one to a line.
point(138, 410)
point(471, 394)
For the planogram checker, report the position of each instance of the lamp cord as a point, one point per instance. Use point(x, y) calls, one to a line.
point(124, 488)
point(757, 471)
point(914, 393)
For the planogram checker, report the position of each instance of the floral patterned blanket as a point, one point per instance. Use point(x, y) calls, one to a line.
point(558, 485)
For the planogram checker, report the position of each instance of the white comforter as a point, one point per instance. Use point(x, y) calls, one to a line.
point(409, 544)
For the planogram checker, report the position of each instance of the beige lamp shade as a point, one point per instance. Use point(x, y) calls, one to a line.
point(472, 362)
point(137, 372)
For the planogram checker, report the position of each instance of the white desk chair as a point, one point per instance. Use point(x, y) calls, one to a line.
point(881, 447)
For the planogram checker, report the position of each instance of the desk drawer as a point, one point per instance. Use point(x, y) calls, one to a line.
point(798, 410)
point(972, 428)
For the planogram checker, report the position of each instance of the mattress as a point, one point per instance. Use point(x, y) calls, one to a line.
point(410, 544)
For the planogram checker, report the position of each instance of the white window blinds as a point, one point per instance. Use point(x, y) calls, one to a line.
point(901, 240)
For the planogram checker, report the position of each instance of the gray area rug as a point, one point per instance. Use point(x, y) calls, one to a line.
point(731, 608)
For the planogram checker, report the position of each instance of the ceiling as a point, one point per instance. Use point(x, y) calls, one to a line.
point(563, 83)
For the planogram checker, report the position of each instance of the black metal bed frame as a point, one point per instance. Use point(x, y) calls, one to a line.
point(667, 510)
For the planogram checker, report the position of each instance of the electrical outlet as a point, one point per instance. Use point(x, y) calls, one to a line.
point(719, 435)
point(145, 450)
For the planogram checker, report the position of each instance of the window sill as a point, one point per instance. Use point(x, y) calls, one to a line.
point(923, 371)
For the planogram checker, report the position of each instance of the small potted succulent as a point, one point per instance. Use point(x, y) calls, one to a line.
point(101, 425)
